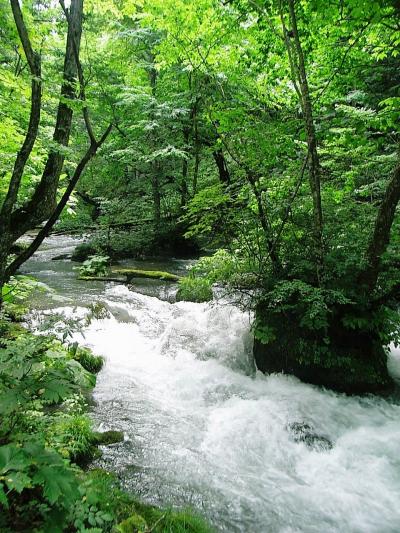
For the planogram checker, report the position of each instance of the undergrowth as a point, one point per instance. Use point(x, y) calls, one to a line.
point(46, 437)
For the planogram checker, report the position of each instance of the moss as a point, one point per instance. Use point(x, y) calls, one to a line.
point(132, 524)
point(107, 437)
point(147, 517)
point(131, 273)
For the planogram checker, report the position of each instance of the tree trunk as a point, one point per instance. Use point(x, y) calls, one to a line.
point(15, 222)
point(155, 186)
point(42, 203)
point(43, 233)
point(381, 235)
point(196, 152)
point(314, 165)
point(185, 168)
point(223, 171)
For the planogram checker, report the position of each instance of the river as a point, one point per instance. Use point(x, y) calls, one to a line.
point(203, 428)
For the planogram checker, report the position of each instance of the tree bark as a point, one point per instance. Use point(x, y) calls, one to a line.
point(42, 203)
point(381, 234)
point(43, 233)
point(223, 171)
point(314, 165)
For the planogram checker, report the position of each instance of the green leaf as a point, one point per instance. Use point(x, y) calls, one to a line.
point(18, 481)
point(3, 497)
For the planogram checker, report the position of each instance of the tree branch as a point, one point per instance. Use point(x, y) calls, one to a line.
point(34, 63)
point(43, 233)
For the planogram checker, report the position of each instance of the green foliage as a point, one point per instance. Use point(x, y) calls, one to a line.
point(96, 265)
point(312, 305)
point(90, 362)
point(37, 379)
point(193, 289)
point(220, 267)
point(83, 251)
point(15, 294)
point(150, 518)
point(223, 268)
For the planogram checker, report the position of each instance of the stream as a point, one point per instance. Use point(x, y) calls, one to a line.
point(204, 429)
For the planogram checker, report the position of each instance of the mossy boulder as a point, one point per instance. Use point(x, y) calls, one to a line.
point(105, 438)
point(341, 359)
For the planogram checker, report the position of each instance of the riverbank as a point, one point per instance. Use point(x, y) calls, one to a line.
point(47, 438)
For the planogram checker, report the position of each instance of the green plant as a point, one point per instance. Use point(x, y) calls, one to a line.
point(83, 251)
point(193, 289)
point(96, 265)
point(90, 362)
point(29, 468)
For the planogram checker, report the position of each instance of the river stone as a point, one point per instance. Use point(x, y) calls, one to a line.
point(353, 362)
point(303, 432)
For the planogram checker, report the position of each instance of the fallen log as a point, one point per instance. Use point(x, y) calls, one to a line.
point(131, 273)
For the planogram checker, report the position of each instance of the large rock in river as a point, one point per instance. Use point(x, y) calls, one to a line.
point(344, 360)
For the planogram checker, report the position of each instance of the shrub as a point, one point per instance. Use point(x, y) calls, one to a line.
point(193, 289)
point(83, 251)
point(96, 265)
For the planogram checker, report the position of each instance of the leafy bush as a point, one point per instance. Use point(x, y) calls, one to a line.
point(30, 468)
point(83, 251)
point(96, 265)
point(40, 384)
point(15, 294)
point(193, 289)
point(222, 267)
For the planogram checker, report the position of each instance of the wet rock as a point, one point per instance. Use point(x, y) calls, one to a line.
point(351, 361)
point(61, 257)
point(303, 432)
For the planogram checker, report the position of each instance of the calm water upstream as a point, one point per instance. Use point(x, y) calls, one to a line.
point(202, 428)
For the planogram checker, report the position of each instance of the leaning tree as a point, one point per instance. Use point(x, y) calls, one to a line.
point(42, 205)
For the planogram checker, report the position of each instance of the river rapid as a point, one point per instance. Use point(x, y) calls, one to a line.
point(203, 428)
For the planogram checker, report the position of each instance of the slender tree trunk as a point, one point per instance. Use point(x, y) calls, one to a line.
point(185, 168)
point(296, 57)
point(41, 206)
point(381, 234)
point(196, 152)
point(42, 203)
point(223, 171)
point(155, 165)
point(155, 185)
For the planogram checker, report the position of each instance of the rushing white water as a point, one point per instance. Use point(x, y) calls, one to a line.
point(203, 428)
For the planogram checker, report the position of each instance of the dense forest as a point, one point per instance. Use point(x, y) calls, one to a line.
point(255, 141)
